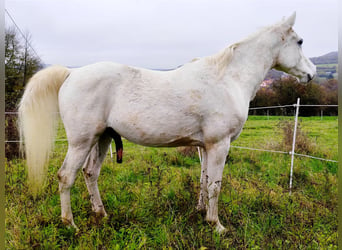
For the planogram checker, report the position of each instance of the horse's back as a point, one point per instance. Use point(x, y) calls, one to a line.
point(134, 102)
point(148, 107)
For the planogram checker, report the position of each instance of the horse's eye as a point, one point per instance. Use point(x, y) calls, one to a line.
point(300, 42)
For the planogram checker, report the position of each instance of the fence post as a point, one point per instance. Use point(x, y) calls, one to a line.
point(199, 155)
point(294, 141)
point(111, 150)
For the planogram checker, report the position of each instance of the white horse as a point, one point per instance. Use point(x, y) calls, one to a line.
point(204, 103)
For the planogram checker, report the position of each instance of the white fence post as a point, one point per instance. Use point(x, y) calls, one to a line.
point(199, 155)
point(294, 141)
point(111, 150)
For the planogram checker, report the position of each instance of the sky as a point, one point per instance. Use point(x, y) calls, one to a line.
point(162, 34)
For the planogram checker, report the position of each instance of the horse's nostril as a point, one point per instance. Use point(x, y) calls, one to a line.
point(309, 77)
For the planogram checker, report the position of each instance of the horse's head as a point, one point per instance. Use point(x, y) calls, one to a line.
point(290, 57)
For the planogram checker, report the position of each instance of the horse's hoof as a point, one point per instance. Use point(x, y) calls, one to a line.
point(101, 214)
point(70, 224)
point(220, 229)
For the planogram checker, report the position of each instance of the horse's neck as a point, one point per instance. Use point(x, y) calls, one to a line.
point(250, 63)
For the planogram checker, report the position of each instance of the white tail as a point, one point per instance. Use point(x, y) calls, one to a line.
point(38, 113)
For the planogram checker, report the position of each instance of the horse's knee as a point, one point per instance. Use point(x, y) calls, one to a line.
point(62, 178)
point(66, 179)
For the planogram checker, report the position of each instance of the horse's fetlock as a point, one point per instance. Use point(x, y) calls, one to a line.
point(211, 220)
point(66, 221)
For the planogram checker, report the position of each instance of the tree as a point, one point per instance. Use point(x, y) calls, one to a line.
point(30, 62)
point(20, 64)
point(264, 97)
point(286, 91)
point(330, 96)
point(12, 59)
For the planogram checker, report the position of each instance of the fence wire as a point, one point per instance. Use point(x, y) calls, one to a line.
point(239, 147)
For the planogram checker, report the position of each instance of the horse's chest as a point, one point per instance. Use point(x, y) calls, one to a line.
point(226, 122)
point(235, 125)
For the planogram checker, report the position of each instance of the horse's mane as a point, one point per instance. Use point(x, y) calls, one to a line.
point(223, 58)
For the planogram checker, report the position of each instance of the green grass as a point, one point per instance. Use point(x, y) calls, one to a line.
point(331, 65)
point(151, 198)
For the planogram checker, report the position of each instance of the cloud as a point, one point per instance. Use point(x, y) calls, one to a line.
point(162, 34)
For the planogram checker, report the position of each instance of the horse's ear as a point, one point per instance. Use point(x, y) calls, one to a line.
point(289, 22)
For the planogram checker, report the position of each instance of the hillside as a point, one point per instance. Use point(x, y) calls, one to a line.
point(330, 58)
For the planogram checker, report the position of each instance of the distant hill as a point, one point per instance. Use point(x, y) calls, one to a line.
point(330, 58)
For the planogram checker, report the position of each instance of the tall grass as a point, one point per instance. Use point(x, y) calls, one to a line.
point(151, 198)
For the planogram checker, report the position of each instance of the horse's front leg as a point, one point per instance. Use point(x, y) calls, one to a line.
point(203, 197)
point(216, 155)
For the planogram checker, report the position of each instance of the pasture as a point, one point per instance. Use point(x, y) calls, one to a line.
point(151, 197)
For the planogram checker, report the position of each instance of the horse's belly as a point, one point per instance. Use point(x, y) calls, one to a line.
point(158, 129)
point(165, 141)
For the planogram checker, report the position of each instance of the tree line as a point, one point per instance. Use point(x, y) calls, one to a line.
point(285, 91)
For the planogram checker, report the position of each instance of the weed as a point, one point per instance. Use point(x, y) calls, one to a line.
point(188, 151)
point(304, 144)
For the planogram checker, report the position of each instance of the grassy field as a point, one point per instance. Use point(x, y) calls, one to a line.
point(151, 198)
point(325, 71)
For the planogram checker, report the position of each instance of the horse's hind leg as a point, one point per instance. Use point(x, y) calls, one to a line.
point(74, 160)
point(91, 172)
